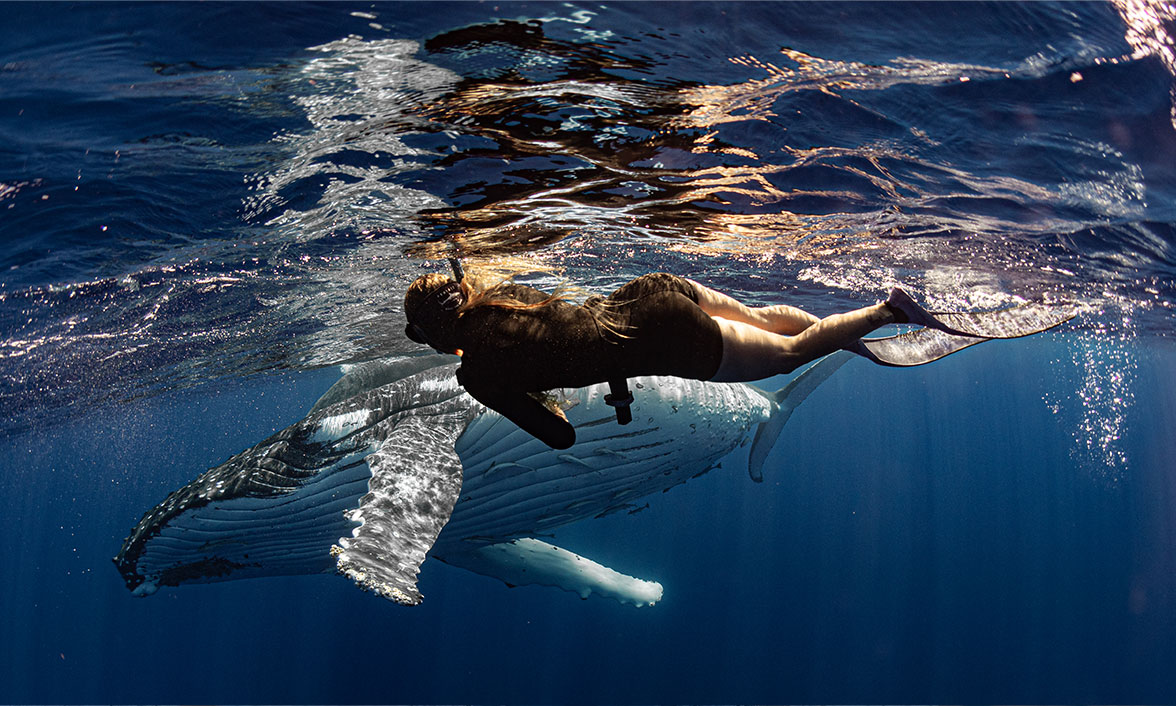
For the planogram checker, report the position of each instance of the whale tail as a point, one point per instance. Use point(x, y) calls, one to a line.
point(787, 399)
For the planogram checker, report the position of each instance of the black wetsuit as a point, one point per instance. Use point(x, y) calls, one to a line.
point(508, 352)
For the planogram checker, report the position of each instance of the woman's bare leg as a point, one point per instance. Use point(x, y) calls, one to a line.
point(751, 353)
point(781, 319)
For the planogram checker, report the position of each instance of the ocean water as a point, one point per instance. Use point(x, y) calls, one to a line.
point(206, 209)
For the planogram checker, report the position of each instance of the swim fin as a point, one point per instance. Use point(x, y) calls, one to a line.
point(925, 345)
point(1015, 322)
point(929, 344)
point(1023, 320)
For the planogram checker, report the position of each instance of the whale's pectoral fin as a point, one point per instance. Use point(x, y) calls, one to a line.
point(526, 561)
point(416, 480)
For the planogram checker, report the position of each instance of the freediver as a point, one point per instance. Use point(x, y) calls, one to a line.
point(517, 342)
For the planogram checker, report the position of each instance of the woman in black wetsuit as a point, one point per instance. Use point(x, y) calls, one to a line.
point(515, 341)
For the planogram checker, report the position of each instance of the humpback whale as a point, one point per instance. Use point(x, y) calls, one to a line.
point(395, 463)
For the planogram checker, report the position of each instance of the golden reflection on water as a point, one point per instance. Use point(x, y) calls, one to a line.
point(688, 180)
point(674, 184)
point(754, 99)
point(517, 171)
point(770, 235)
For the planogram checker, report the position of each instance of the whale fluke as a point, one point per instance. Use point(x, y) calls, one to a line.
point(787, 399)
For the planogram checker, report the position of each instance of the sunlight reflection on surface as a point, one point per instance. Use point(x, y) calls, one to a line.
point(1147, 31)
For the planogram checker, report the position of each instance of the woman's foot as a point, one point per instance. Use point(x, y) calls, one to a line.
point(907, 311)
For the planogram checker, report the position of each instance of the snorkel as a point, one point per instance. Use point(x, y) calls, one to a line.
point(458, 273)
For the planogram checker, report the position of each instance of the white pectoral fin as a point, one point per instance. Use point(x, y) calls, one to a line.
point(416, 480)
point(527, 561)
point(788, 399)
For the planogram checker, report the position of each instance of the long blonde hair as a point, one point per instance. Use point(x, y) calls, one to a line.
point(479, 290)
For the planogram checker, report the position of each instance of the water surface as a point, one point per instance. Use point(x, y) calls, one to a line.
point(208, 208)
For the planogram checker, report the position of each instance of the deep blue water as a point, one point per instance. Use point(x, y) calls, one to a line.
point(207, 208)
